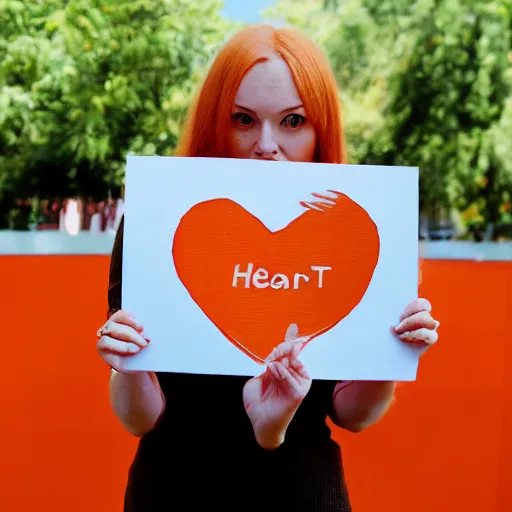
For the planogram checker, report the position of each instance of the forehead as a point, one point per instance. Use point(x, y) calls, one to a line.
point(268, 85)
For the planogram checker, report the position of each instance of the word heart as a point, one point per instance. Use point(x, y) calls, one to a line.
point(278, 281)
point(253, 304)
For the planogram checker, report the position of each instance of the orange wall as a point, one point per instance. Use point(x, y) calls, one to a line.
point(446, 445)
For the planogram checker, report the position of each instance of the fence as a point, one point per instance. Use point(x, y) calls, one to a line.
point(444, 446)
point(71, 215)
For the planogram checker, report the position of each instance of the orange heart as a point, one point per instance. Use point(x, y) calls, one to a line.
point(253, 283)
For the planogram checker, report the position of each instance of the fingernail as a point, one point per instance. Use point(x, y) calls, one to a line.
point(137, 324)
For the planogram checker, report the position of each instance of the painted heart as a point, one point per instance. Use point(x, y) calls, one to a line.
point(253, 283)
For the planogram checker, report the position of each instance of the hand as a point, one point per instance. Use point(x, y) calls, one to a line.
point(417, 325)
point(272, 398)
point(120, 337)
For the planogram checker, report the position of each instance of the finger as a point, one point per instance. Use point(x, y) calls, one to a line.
point(266, 379)
point(299, 367)
point(292, 332)
point(295, 375)
point(283, 372)
point(280, 351)
point(427, 336)
point(113, 360)
point(289, 380)
point(124, 333)
point(116, 362)
point(113, 346)
point(420, 320)
point(415, 307)
point(295, 352)
point(273, 370)
point(298, 370)
point(126, 318)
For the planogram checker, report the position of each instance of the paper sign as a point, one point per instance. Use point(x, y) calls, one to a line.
point(222, 256)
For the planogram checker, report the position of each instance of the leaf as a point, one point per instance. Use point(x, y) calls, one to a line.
point(82, 83)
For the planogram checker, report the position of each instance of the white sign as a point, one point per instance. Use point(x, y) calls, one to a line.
point(221, 256)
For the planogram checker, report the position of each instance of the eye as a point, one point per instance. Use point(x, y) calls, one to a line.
point(242, 118)
point(293, 121)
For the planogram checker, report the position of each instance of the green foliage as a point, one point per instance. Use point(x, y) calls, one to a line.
point(84, 82)
point(448, 107)
point(425, 83)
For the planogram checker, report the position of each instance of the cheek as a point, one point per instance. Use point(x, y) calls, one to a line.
point(301, 146)
point(240, 143)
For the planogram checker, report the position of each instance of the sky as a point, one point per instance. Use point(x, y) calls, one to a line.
point(245, 10)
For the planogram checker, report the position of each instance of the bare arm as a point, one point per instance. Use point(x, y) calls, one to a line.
point(137, 400)
point(136, 397)
point(359, 404)
point(356, 405)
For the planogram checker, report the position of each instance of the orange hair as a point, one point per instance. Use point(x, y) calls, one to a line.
point(209, 119)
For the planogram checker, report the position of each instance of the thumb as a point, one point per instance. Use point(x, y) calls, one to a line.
point(292, 333)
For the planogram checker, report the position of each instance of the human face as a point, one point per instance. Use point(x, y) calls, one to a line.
point(268, 119)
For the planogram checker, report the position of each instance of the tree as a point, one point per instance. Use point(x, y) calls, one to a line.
point(449, 108)
point(426, 83)
point(84, 82)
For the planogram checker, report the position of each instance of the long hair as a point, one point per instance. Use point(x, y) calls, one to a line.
point(205, 131)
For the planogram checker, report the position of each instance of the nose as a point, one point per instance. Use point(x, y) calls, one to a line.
point(266, 145)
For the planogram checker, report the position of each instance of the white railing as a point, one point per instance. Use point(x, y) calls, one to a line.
point(87, 242)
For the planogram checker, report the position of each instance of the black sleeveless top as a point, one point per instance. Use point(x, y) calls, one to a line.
point(202, 454)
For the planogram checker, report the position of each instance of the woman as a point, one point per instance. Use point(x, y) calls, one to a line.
point(234, 443)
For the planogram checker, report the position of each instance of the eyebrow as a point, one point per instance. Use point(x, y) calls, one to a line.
point(295, 107)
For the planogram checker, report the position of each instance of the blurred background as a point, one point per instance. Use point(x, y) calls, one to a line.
point(84, 83)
